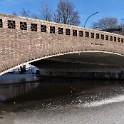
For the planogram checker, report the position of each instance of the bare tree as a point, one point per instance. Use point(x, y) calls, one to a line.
point(46, 12)
point(24, 13)
point(14, 13)
point(66, 13)
point(35, 16)
point(122, 22)
point(105, 23)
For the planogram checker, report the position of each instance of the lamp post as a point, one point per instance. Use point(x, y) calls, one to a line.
point(89, 17)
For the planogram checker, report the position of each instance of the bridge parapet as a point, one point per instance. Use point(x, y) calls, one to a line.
point(26, 40)
point(35, 25)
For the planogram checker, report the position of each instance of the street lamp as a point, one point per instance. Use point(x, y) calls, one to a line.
point(89, 17)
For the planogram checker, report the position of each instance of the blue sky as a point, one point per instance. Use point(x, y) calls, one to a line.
point(106, 8)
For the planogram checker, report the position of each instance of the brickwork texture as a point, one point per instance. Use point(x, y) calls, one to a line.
point(24, 40)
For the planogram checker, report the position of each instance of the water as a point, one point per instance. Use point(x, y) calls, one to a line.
point(62, 101)
point(11, 78)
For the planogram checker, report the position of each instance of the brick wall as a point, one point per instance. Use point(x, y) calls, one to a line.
point(26, 44)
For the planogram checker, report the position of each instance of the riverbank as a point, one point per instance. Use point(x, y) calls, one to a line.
point(11, 78)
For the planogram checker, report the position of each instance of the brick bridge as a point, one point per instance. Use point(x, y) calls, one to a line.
point(24, 40)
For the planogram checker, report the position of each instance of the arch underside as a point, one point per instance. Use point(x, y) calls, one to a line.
point(93, 58)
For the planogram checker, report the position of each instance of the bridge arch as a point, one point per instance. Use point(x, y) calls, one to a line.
point(69, 53)
point(25, 40)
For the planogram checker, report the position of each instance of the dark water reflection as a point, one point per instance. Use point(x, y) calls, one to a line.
point(62, 101)
point(61, 90)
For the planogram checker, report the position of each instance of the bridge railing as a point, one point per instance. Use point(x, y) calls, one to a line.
point(35, 25)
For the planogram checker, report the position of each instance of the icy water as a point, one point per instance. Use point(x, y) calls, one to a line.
point(62, 101)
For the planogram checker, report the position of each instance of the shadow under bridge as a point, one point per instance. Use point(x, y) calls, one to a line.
point(97, 65)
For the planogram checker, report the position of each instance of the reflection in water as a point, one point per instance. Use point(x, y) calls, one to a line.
point(61, 91)
point(10, 91)
point(62, 101)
